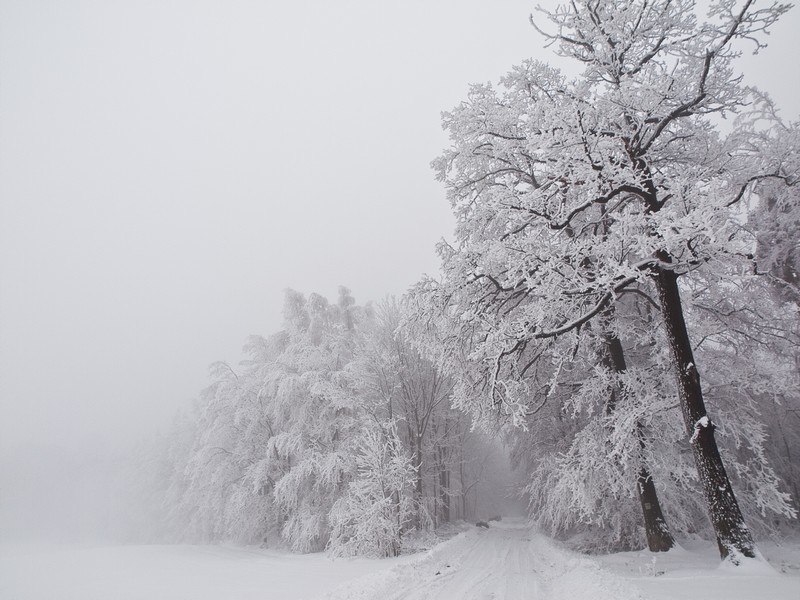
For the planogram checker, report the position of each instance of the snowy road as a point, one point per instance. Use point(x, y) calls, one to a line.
point(495, 563)
point(505, 562)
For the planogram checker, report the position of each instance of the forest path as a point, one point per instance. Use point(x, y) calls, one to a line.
point(508, 561)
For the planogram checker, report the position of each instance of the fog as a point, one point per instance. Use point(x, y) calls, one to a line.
point(168, 168)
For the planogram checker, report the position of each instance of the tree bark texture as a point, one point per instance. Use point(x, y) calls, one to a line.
point(733, 536)
point(659, 537)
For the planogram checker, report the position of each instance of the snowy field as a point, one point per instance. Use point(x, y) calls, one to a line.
point(71, 572)
point(507, 561)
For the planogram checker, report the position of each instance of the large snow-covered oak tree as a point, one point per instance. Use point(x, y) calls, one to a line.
point(572, 194)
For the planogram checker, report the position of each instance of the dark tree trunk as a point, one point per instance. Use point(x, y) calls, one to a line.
point(394, 549)
point(659, 538)
point(733, 536)
point(444, 484)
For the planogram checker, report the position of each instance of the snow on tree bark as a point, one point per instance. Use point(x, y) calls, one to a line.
point(733, 536)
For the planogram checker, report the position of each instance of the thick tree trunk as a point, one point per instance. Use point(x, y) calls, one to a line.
point(733, 536)
point(659, 538)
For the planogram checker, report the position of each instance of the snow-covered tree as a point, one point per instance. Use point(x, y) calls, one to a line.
point(417, 393)
point(334, 426)
point(777, 220)
point(378, 505)
point(539, 166)
point(749, 339)
point(314, 408)
point(597, 437)
point(221, 493)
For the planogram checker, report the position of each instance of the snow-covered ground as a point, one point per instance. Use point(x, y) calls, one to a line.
point(694, 572)
point(85, 572)
point(506, 561)
point(66, 572)
point(503, 562)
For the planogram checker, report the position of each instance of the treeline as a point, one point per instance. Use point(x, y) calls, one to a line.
point(333, 433)
point(620, 304)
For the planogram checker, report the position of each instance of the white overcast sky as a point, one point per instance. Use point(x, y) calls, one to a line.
point(169, 167)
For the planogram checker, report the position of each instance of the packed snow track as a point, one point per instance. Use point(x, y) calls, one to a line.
point(504, 562)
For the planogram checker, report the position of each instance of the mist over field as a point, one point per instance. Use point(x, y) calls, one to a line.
point(483, 298)
point(167, 170)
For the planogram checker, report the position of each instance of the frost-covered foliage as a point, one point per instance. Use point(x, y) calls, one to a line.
point(587, 478)
point(579, 200)
point(585, 457)
point(614, 248)
point(332, 433)
point(548, 175)
point(316, 415)
point(750, 340)
point(777, 221)
point(378, 505)
point(218, 490)
point(417, 393)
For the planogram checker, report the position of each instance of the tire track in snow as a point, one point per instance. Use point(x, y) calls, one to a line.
point(504, 562)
